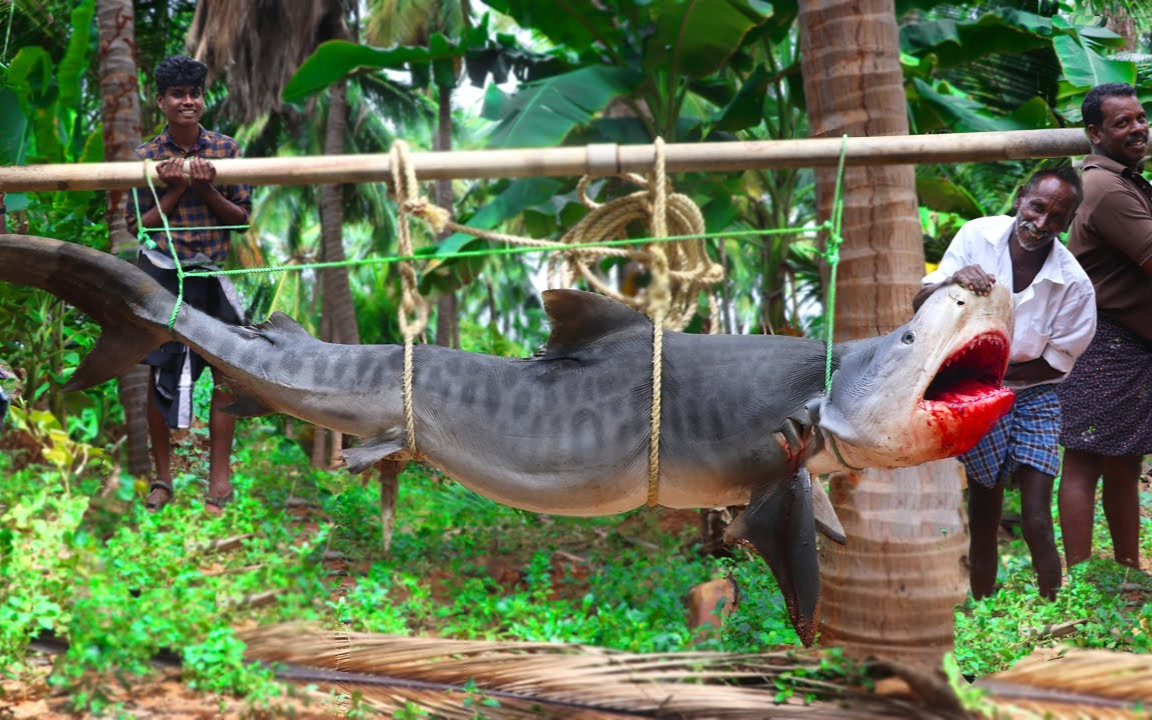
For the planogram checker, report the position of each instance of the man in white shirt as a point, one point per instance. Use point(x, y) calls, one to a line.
point(1055, 321)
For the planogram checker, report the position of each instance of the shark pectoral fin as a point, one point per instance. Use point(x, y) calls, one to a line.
point(827, 522)
point(116, 350)
point(779, 524)
point(360, 458)
point(247, 406)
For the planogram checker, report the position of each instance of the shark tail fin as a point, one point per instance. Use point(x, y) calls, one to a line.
point(131, 307)
point(117, 350)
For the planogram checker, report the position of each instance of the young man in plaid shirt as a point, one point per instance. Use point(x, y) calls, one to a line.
point(192, 204)
point(1055, 321)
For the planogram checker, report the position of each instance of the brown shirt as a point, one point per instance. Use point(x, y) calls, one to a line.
point(1111, 237)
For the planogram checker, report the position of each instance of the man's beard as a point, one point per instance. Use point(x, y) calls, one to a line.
point(1024, 236)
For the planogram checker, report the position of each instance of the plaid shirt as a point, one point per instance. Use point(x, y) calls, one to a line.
point(191, 211)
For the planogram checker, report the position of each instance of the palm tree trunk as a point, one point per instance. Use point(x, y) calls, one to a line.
point(338, 311)
point(878, 599)
point(447, 320)
point(120, 111)
point(337, 300)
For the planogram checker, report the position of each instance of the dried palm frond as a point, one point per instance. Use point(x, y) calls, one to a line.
point(463, 678)
point(256, 45)
point(1074, 684)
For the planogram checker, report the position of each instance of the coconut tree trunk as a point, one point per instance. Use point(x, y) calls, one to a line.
point(337, 299)
point(447, 320)
point(877, 597)
point(120, 111)
point(337, 310)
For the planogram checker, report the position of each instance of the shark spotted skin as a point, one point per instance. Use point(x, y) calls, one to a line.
point(566, 431)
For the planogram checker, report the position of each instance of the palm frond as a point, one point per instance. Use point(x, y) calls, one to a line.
point(256, 47)
point(460, 678)
point(1073, 684)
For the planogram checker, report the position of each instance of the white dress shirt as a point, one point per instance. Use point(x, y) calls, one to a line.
point(1055, 315)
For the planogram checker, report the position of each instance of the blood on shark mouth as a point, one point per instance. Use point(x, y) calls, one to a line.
point(965, 399)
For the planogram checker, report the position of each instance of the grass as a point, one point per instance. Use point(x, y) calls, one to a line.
point(90, 565)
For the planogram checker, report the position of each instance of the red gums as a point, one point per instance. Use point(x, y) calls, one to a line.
point(962, 417)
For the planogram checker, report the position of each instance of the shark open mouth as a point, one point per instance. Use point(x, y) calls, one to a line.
point(965, 399)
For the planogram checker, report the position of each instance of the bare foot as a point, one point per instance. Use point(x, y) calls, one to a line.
point(214, 504)
point(160, 496)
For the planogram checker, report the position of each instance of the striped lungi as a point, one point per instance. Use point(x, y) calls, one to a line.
point(1107, 398)
point(1026, 435)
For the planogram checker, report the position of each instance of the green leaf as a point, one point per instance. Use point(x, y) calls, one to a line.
point(1035, 115)
point(1100, 36)
point(943, 195)
point(518, 197)
point(747, 106)
point(1084, 67)
point(75, 59)
point(542, 113)
point(30, 77)
point(956, 43)
point(577, 24)
point(12, 129)
point(958, 112)
point(335, 59)
point(695, 38)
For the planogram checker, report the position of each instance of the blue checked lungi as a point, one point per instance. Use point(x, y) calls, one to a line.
point(1026, 435)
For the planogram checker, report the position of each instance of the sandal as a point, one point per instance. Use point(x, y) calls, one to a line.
point(218, 501)
point(153, 504)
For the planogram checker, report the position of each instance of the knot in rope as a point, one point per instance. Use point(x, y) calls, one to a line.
point(413, 313)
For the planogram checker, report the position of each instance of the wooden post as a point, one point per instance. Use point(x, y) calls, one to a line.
point(606, 159)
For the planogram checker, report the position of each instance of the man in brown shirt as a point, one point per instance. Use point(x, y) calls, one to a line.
point(1107, 398)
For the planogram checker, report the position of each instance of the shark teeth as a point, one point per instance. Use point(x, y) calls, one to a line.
point(972, 371)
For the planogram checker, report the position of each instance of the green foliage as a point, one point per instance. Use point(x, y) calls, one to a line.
point(44, 100)
point(217, 665)
point(1108, 601)
point(544, 112)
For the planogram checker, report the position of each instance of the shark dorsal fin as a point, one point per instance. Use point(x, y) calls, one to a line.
point(580, 318)
point(280, 324)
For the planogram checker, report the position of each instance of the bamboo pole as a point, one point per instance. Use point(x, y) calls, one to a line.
point(603, 159)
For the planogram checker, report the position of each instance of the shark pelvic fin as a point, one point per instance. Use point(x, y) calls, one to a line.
point(360, 458)
point(579, 318)
point(117, 349)
point(247, 406)
point(827, 522)
point(779, 525)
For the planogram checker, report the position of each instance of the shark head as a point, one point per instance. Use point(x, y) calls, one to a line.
point(927, 391)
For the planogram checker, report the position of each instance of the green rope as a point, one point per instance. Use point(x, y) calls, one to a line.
point(142, 235)
point(832, 257)
point(515, 250)
point(831, 251)
point(171, 245)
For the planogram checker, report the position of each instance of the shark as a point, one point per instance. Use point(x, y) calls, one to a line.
point(744, 420)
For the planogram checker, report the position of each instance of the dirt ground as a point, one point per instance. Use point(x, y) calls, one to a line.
point(163, 696)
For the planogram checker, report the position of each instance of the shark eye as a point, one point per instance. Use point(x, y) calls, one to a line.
point(908, 338)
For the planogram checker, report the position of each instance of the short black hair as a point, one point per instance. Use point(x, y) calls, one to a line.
point(1090, 108)
point(180, 70)
point(1064, 174)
